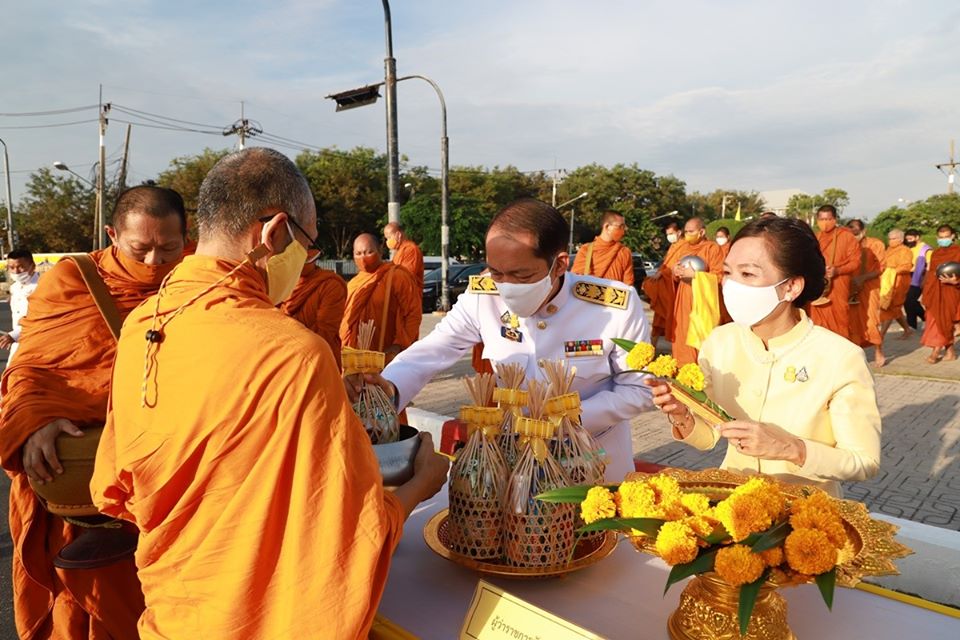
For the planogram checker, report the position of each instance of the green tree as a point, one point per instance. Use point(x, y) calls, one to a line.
point(350, 189)
point(709, 206)
point(805, 206)
point(55, 215)
point(185, 176)
point(923, 215)
point(468, 224)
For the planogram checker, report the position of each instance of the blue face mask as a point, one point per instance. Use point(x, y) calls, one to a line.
point(944, 242)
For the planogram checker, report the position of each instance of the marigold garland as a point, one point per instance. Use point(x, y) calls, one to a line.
point(663, 367)
point(691, 376)
point(742, 515)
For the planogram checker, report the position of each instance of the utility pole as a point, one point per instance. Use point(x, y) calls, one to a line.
point(949, 169)
point(6, 171)
point(556, 175)
point(243, 129)
point(723, 206)
point(100, 240)
point(122, 181)
point(393, 152)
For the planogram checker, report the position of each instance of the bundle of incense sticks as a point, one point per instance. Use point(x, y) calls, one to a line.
point(513, 400)
point(374, 408)
point(537, 534)
point(575, 449)
point(478, 477)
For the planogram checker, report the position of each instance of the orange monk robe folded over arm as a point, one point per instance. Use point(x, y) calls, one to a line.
point(259, 500)
point(607, 259)
point(367, 299)
point(409, 256)
point(318, 302)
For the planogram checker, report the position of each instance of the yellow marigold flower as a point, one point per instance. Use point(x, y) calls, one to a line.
point(676, 543)
point(819, 511)
point(637, 500)
point(766, 492)
point(665, 487)
point(697, 504)
point(700, 525)
point(773, 557)
point(738, 565)
point(641, 355)
point(809, 551)
point(742, 515)
point(663, 367)
point(597, 505)
point(692, 376)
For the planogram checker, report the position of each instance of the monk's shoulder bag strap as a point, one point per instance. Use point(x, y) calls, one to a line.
point(101, 295)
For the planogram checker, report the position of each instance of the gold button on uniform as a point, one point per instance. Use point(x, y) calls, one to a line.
point(541, 325)
point(551, 308)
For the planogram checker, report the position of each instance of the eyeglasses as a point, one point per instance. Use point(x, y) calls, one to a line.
point(313, 241)
point(618, 225)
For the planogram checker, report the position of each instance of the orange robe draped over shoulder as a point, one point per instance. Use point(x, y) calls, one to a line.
point(677, 330)
point(610, 260)
point(318, 302)
point(661, 289)
point(258, 497)
point(62, 370)
point(864, 317)
point(409, 256)
point(845, 258)
point(900, 260)
point(940, 301)
point(366, 298)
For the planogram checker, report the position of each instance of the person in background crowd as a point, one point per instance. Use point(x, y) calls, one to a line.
point(842, 253)
point(920, 251)
point(661, 288)
point(722, 238)
point(941, 299)
point(23, 271)
point(864, 314)
point(318, 302)
point(895, 285)
point(607, 257)
point(406, 252)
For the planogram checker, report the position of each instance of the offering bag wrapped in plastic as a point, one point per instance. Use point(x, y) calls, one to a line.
point(513, 400)
point(375, 409)
point(478, 478)
point(536, 533)
point(575, 449)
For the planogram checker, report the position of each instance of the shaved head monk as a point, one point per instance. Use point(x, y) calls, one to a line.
point(696, 305)
point(261, 508)
point(59, 384)
point(842, 252)
point(607, 256)
point(898, 267)
point(318, 303)
point(941, 298)
point(661, 287)
point(406, 253)
point(385, 293)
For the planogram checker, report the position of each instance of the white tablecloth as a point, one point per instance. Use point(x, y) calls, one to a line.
point(621, 597)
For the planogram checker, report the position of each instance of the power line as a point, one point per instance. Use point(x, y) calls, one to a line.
point(165, 127)
point(51, 126)
point(52, 112)
point(144, 114)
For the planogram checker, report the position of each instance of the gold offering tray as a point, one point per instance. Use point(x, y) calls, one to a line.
point(870, 548)
point(589, 551)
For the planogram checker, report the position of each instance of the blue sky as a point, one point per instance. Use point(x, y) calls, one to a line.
point(740, 94)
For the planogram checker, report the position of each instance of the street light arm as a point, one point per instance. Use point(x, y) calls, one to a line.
point(388, 28)
point(572, 200)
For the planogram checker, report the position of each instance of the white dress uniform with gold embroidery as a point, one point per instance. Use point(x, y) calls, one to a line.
point(578, 324)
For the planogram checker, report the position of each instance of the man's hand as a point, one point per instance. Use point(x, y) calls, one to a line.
point(429, 474)
point(391, 352)
point(6, 341)
point(354, 383)
point(831, 272)
point(40, 452)
point(950, 280)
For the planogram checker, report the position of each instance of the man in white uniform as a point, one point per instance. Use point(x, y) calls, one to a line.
point(23, 271)
point(530, 309)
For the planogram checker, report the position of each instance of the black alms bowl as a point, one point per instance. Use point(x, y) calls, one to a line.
point(396, 458)
point(949, 269)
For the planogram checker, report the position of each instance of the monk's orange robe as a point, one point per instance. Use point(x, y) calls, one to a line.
point(318, 302)
point(841, 250)
point(605, 259)
point(258, 497)
point(725, 248)
point(62, 370)
point(479, 363)
point(189, 248)
point(724, 314)
point(710, 252)
point(661, 290)
point(940, 301)
point(367, 300)
point(864, 317)
point(900, 260)
point(409, 256)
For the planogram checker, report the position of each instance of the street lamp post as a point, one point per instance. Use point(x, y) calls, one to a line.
point(6, 171)
point(573, 213)
point(393, 154)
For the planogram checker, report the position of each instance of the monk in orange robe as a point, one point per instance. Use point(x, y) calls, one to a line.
point(864, 317)
point(842, 253)
point(898, 263)
point(318, 302)
point(59, 384)
point(406, 252)
point(660, 288)
point(382, 292)
point(257, 494)
point(941, 299)
point(607, 256)
point(694, 244)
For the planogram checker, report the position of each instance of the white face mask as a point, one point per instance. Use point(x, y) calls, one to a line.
point(750, 305)
point(672, 238)
point(22, 278)
point(525, 299)
point(721, 241)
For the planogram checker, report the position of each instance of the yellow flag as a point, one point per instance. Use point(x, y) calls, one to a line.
point(738, 213)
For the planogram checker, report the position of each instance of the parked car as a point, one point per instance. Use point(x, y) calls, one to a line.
point(433, 262)
point(458, 279)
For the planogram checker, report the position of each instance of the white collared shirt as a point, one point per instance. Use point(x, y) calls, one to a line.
point(18, 302)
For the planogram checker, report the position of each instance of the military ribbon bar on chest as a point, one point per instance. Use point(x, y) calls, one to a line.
point(583, 348)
